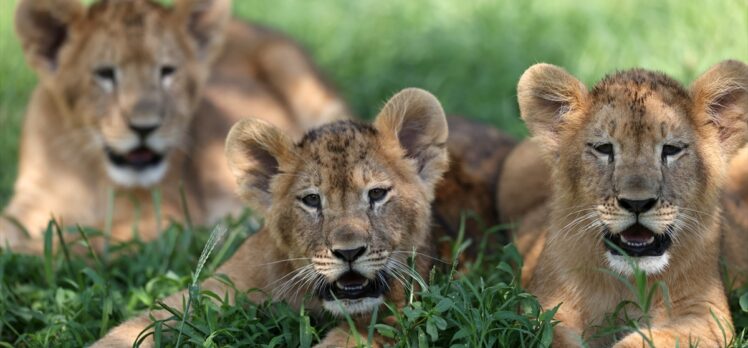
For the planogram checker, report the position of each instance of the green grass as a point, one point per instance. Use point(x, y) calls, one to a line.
point(470, 54)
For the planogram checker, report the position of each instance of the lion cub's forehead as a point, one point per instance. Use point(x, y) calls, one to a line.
point(122, 32)
point(133, 15)
point(338, 150)
point(637, 103)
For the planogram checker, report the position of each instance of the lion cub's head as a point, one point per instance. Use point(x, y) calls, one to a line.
point(125, 75)
point(638, 160)
point(350, 201)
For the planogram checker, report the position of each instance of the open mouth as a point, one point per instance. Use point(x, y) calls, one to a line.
point(352, 285)
point(637, 241)
point(139, 158)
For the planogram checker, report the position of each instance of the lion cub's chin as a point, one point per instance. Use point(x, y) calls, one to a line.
point(651, 265)
point(343, 307)
point(131, 177)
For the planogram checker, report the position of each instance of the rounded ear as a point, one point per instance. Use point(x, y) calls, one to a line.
point(254, 152)
point(42, 27)
point(720, 98)
point(415, 120)
point(206, 22)
point(547, 94)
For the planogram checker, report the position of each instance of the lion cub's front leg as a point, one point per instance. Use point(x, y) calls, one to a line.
point(254, 265)
point(341, 336)
point(684, 333)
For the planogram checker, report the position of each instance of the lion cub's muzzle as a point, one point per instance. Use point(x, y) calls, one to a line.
point(641, 229)
point(355, 280)
point(350, 281)
point(138, 160)
point(141, 156)
point(637, 239)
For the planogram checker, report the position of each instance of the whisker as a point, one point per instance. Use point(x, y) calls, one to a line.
point(421, 254)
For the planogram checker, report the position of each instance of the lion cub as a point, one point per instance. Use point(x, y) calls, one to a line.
point(343, 207)
point(135, 96)
point(638, 163)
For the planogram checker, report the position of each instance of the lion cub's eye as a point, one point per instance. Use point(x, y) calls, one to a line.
point(377, 194)
point(670, 150)
point(106, 73)
point(605, 149)
point(312, 200)
point(167, 71)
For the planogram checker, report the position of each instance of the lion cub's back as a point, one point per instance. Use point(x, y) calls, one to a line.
point(263, 73)
point(476, 155)
point(735, 201)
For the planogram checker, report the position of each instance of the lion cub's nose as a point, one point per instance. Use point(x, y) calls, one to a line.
point(637, 206)
point(349, 255)
point(143, 131)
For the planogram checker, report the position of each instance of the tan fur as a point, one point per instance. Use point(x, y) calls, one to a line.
point(73, 114)
point(404, 151)
point(525, 187)
point(525, 181)
point(637, 111)
point(735, 200)
point(468, 187)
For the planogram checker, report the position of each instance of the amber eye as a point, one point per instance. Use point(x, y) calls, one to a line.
point(670, 150)
point(312, 200)
point(167, 71)
point(377, 194)
point(105, 73)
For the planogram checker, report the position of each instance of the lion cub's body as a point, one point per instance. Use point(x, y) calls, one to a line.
point(735, 221)
point(635, 135)
point(213, 71)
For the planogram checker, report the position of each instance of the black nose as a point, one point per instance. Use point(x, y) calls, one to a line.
point(637, 206)
point(143, 131)
point(349, 255)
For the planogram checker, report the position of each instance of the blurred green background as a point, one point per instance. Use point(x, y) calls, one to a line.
point(469, 53)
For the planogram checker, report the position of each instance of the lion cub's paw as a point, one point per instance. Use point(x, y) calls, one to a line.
point(11, 237)
point(341, 337)
point(659, 338)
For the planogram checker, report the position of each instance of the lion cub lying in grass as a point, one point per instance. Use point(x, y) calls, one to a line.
point(343, 208)
point(638, 164)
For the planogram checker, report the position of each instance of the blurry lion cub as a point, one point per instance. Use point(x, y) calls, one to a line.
point(135, 96)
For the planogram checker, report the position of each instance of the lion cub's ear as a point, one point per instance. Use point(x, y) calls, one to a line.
point(255, 150)
point(206, 22)
point(720, 98)
point(414, 120)
point(42, 27)
point(547, 96)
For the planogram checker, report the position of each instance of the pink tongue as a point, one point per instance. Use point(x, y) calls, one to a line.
point(637, 234)
point(139, 156)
